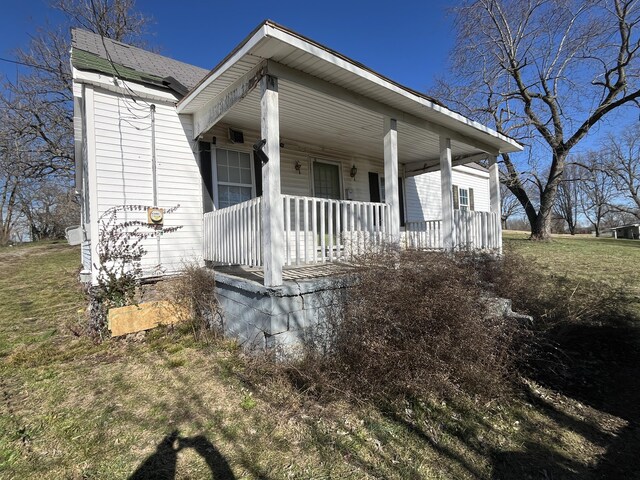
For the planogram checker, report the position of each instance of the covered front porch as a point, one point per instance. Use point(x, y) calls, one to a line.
point(318, 231)
point(302, 108)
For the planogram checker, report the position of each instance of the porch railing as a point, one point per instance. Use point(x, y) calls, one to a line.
point(319, 230)
point(233, 235)
point(316, 230)
point(477, 230)
point(472, 231)
point(423, 234)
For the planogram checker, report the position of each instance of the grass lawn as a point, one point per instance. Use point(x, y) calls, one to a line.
point(71, 408)
point(609, 261)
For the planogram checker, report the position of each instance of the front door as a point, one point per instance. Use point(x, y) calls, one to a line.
point(326, 184)
point(326, 180)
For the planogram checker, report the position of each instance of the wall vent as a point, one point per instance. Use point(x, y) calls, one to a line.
point(236, 136)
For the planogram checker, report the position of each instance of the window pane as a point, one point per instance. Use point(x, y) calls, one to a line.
point(234, 174)
point(239, 194)
point(464, 199)
point(223, 196)
point(246, 193)
point(233, 168)
point(233, 158)
point(326, 180)
point(244, 160)
point(221, 157)
point(223, 173)
point(245, 175)
point(229, 195)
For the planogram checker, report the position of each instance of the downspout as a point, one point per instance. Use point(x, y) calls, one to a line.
point(154, 174)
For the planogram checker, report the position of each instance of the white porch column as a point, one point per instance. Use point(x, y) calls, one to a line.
point(494, 197)
point(391, 177)
point(494, 185)
point(446, 190)
point(272, 211)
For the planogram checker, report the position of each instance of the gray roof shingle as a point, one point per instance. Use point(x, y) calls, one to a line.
point(134, 58)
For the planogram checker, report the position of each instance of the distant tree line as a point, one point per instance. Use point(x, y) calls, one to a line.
point(599, 189)
point(37, 163)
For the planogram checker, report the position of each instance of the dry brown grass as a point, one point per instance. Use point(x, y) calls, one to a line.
point(70, 408)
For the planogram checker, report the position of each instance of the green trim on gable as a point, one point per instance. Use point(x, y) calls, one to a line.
point(88, 61)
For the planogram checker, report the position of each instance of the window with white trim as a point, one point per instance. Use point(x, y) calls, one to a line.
point(235, 177)
point(464, 198)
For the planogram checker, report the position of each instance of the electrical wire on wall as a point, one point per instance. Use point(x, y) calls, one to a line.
point(154, 172)
point(140, 105)
point(139, 112)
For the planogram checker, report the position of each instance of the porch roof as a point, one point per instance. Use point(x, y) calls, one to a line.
point(350, 120)
point(628, 225)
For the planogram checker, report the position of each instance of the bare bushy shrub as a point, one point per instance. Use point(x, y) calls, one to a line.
point(119, 266)
point(413, 324)
point(550, 299)
point(558, 304)
point(192, 296)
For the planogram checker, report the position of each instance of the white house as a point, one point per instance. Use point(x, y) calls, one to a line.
point(285, 154)
point(630, 231)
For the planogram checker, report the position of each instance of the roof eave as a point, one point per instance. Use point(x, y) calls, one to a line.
point(258, 34)
point(269, 29)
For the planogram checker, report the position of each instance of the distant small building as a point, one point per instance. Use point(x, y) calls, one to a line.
point(630, 231)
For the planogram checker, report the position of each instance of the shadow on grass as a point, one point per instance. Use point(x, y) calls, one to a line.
point(601, 366)
point(162, 464)
point(601, 369)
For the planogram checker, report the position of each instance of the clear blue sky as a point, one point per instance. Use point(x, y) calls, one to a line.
point(408, 43)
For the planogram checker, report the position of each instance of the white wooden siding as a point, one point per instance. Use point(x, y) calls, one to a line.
point(124, 173)
point(300, 184)
point(85, 255)
point(422, 192)
point(81, 166)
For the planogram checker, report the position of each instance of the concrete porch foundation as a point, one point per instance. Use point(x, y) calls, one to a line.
point(287, 318)
point(284, 317)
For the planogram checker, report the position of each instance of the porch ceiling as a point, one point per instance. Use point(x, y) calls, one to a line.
point(315, 117)
point(312, 117)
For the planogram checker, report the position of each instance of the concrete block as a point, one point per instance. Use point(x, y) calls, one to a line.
point(285, 317)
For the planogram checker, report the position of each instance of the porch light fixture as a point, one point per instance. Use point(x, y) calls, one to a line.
point(259, 153)
point(354, 171)
point(298, 167)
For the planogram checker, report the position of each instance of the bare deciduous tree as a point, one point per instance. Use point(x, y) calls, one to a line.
point(48, 209)
point(623, 165)
point(568, 198)
point(509, 205)
point(9, 187)
point(18, 169)
point(596, 190)
point(38, 104)
point(115, 19)
point(544, 72)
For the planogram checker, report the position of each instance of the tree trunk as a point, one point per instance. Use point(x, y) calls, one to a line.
point(541, 227)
